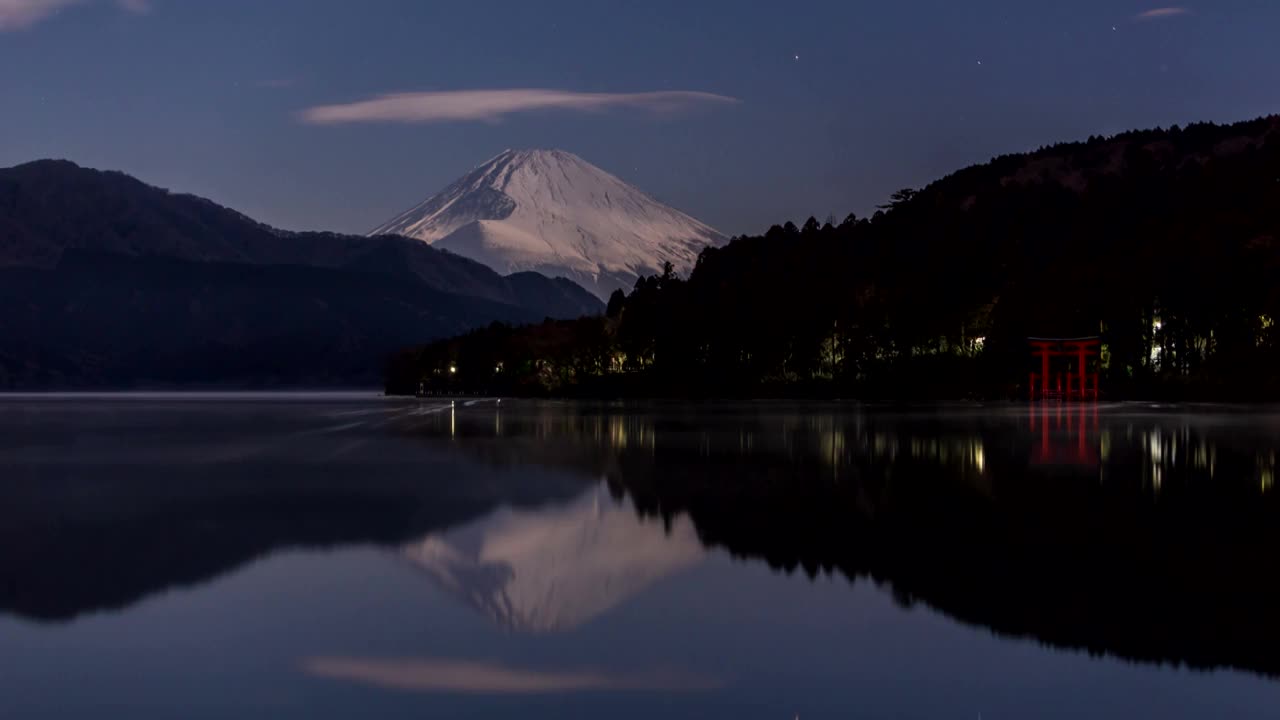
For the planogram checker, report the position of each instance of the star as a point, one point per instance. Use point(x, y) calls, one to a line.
point(797, 57)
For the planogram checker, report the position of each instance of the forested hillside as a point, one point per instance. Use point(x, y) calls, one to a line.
point(1163, 242)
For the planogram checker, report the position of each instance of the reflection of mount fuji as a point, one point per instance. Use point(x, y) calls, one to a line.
point(556, 568)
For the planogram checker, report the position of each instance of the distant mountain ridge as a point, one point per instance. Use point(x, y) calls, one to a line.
point(49, 206)
point(552, 212)
point(82, 250)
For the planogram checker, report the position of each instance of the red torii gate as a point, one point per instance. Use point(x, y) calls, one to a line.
point(1065, 385)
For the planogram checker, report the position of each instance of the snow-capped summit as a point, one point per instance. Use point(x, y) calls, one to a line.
point(552, 212)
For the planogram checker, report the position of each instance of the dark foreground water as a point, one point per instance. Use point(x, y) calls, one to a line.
point(357, 557)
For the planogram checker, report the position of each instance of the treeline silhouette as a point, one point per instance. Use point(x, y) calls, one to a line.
point(1163, 242)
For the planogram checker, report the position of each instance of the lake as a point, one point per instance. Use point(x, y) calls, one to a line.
point(347, 555)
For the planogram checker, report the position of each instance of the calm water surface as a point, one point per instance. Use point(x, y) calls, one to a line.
point(318, 556)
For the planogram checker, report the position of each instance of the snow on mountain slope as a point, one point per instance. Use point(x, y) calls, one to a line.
point(549, 570)
point(551, 212)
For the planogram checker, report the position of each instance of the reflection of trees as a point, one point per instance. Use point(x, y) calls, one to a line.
point(962, 516)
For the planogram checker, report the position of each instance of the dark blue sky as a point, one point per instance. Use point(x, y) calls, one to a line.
point(207, 96)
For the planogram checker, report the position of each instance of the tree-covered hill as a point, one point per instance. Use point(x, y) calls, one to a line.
point(1163, 242)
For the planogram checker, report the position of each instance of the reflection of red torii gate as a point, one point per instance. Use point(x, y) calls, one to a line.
point(1064, 384)
point(1069, 421)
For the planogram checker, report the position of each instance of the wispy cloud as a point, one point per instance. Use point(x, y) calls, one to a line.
point(19, 14)
point(456, 676)
point(22, 14)
point(492, 105)
point(1162, 13)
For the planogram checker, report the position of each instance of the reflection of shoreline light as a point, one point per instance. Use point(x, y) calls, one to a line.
point(1122, 443)
point(461, 676)
point(837, 450)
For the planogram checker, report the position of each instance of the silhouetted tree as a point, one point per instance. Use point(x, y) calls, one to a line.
point(900, 197)
point(616, 301)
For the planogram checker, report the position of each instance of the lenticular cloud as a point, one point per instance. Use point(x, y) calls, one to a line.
point(492, 105)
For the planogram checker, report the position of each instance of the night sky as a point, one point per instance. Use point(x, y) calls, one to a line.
point(742, 113)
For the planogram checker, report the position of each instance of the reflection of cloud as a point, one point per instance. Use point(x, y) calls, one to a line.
point(20, 14)
point(491, 105)
point(1164, 12)
point(460, 676)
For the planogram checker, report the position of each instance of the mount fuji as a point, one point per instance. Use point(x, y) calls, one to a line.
point(551, 212)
